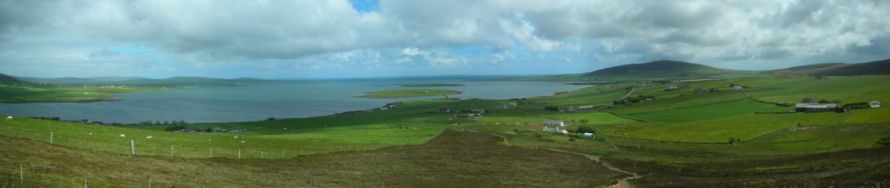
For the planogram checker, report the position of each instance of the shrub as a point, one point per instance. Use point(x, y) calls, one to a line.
point(585, 129)
point(174, 128)
point(734, 140)
point(884, 141)
point(551, 108)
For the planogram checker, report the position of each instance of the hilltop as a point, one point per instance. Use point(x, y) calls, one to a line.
point(6, 79)
point(880, 67)
point(173, 81)
point(656, 69)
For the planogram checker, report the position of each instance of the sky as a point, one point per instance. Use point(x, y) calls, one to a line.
point(388, 38)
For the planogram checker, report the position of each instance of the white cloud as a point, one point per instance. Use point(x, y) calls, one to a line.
point(241, 32)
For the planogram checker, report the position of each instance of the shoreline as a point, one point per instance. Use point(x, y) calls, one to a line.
point(136, 123)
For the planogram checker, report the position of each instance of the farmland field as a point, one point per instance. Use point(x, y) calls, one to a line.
point(691, 135)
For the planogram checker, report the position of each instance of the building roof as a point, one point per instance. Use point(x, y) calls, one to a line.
point(816, 105)
point(552, 122)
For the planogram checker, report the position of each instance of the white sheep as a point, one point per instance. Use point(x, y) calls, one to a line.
point(8, 117)
point(148, 137)
point(123, 136)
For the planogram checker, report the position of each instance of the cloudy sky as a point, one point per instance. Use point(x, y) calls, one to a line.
point(371, 38)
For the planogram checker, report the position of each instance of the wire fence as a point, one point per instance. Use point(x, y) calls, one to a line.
point(19, 175)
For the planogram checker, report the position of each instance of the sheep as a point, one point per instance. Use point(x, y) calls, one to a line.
point(123, 136)
point(148, 137)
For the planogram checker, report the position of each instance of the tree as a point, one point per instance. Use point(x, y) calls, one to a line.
point(174, 128)
point(551, 108)
point(734, 140)
point(884, 141)
point(585, 129)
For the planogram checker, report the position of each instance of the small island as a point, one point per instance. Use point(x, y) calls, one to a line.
point(410, 93)
point(431, 85)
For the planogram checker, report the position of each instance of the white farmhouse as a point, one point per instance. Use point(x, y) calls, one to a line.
point(555, 127)
point(874, 104)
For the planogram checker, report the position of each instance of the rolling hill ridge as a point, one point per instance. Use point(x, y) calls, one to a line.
point(6, 79)
point(880, 67)
point(657, 69)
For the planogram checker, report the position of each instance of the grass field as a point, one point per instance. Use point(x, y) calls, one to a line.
point(403, 93)
point(480, 162)
point(680, 138)
point(29, 93)
point(709, 111)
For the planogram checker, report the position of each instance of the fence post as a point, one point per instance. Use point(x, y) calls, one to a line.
point(211, 152)
point(149, 182)
point(84, 182)
point(50, 137)
point(171, 150)
point(132, 148)
point(22, 174)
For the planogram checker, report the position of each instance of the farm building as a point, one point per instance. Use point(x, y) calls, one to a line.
point(815, 107)
point(703, 91)
point(874, 104)
point(585, 107)
point(555, 127)
point(478, 111)
point(671, 88)
point(568, 109)
point(390, 106)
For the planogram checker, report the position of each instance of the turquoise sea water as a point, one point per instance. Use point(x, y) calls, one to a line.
point(260, 101)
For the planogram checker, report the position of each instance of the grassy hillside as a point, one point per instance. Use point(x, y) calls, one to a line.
point(35, 93)
point(729, 137)
point(808, 69)
point(656, 69)
point(881, 67)
point(6, 79)
point(480, 162)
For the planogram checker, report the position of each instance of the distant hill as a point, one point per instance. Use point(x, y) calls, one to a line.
point(174, 81)
point(657, 69)
point(808, 69)
point(6, 79)
point(881, 67)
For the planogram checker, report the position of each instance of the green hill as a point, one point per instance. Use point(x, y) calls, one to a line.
point(881, 67)
point(6, 79)
point(173, 81)
point(808, 69)
point(657, 69)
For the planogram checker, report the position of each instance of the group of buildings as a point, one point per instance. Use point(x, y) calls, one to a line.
point(809, 105)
